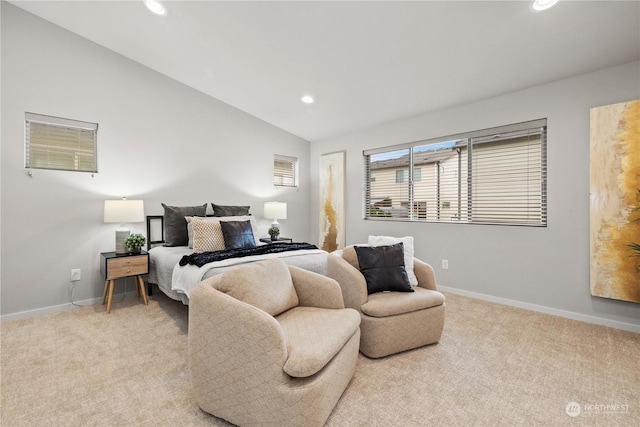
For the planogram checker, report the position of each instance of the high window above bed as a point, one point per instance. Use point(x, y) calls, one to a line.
point(60, 144)
point(285, 171)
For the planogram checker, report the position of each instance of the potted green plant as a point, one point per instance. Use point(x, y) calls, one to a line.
point(134, 242)
point(274, 232)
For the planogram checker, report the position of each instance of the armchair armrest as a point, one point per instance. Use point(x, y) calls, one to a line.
point(316, 290)
point(425, 274)
point(351, 281)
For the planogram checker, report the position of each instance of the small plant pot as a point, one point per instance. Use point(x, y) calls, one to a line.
point(274, 232)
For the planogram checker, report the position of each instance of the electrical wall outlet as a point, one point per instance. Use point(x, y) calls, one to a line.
point(76, 274)
point(445, 264)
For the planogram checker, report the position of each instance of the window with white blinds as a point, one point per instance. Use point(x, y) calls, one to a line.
point(60, 144)
point(492, 176)
point(285, 171)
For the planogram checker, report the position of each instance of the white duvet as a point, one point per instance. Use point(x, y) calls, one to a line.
point(177, 282)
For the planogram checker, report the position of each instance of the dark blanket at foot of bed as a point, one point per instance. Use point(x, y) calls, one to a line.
point(201, 258)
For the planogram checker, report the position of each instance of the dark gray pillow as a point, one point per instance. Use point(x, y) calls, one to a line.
point(219, 210)
point(383, 268)
point(237, 234)
point(175, 226)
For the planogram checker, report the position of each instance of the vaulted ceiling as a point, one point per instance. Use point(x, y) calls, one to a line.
point(364, 62)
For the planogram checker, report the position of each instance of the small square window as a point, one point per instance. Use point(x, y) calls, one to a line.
point(285, 171)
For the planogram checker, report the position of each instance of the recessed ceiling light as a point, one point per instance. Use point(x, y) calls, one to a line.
point(540, 5)
point(156, 7)
point(307, 99)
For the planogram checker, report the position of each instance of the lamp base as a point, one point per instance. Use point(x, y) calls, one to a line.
point(121, 234)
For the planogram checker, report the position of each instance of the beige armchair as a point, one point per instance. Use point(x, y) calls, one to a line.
point(271, 345)
point(391, 321)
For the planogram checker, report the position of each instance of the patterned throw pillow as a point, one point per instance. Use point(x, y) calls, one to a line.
point(207, 235)
point(190, 228)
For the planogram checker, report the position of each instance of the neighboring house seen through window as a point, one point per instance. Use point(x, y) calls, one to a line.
point(492, 176)
point(60, 144)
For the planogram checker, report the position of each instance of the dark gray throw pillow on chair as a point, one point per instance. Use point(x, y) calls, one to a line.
point(220, 210)
point(175, 226)
point(383, 268)
point(237, 234)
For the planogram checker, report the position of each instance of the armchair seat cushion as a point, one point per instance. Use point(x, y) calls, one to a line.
point(386, 304)
point(314, 336)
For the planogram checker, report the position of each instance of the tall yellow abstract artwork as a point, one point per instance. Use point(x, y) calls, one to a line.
point(615, 201)
point(332, 235)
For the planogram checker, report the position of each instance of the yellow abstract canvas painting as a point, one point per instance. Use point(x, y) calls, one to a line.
point(332, 235)
point(615, 201)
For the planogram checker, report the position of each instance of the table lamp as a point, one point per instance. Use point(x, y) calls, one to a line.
point(123, 211)
point(275, 211)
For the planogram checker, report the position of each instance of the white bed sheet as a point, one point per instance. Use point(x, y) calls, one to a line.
point(176, 282)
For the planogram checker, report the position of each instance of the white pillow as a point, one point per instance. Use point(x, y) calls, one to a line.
point(205, 234)
point(407, 242)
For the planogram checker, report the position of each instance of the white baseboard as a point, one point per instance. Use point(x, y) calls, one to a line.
point(58, 308)
point(547, 310)
point(499, 300)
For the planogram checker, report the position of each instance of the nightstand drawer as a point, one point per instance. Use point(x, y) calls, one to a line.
point(127, 266)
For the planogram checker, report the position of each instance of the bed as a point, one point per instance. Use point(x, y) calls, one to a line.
point(204, 243)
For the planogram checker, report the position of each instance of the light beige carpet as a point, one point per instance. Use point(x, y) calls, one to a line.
point(495, 365)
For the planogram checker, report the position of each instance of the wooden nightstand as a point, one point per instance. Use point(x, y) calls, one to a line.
point(279, 239)
point(115, 266)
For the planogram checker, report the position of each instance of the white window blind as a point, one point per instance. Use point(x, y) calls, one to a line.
point(507, 178)
point(285, 171)
point(60, 144)
point(492, 176)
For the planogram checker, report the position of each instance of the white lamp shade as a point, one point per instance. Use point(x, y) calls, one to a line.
point(275, 210)
point(123, 211)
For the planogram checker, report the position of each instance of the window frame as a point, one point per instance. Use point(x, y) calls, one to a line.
point(293, 178)
point(64, 138)
point(440, 210)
